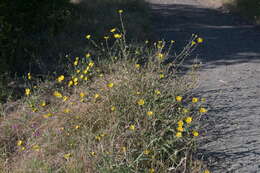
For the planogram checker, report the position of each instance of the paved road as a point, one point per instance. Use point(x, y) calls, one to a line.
point(230, 79)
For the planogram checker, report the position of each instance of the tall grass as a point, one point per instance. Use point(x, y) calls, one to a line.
point(119, 109)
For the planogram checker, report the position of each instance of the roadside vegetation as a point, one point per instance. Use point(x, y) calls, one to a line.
point(247, 8)
point(113, 107)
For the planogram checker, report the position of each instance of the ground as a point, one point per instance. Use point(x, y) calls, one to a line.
point(229, 79)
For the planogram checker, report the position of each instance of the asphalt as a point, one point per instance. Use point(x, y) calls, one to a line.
point(229, 79)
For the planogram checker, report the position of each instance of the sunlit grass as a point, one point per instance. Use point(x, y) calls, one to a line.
point(121, 109)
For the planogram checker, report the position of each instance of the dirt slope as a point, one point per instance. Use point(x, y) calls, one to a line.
point(230, 79)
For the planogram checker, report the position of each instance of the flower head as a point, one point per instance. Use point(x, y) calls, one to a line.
point(27, 91)
point(113, 108)
point(110, 85)
point(88, 55)
point(195, 100)
point(67, 156)
point(180, 123)
point(57, 94)
point(140, 102)
point(88, 37)
point(120, 11)
point(188, 120)
point(117, 36)
point(19, 142)
point(113, 30)
point(195, 133)
point(203, 110)
point(29, 76)
point(178, 134)
point(180, 129)
point(199, 40)
point(149, 113)
point(132, 127)
point(60, 78)
point(178, 98)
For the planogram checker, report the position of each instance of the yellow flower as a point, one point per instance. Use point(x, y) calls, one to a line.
point(98, 138)
point(160, 56)
point(77, 127)
point(184, 110)
point(149, 113)
point(195, 100)
point(120, 11)
point(151, 170)
point(60, 78)
point(43, 103)
point(85, 78)
point(146, 152)
point(47, 115)
point(172, 41)
point(113, 30)
point(92, 153)
point(117, 35)
point(67, 156)
point(178, 98)
point(113, 108)
point(67, 110)
point(199, 40)
point(81, 76)
point(206, 171)
point(132, 127)
point(106, 37)
point(193, 43)
point(36, 148)
point(203, 110)
point(140, 102)
point(161, 76)
point(188, 120)
point(78, 71)
point(123, 149)
point(91, 64)
point(75, 63)
point(65, 98)
point(82, 95)
point(96, 96)
point(29, 76)
point(19, 143)
point(88, 55)
point(178, 134)
point(110, 85)
point(180, 123)
point(137, 66)
point(180, 129)
point(57, 94)
point(70, 83)
point(88, 37)
point(195, 133)
point(138, 93)
point(157, 92)
point(203, 99)
point(27, 91)
point(75, 80)
point(23, 148)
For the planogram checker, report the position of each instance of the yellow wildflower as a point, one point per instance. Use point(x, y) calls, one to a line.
point(120, 11)
point(195, 133)
point(23, 148)
point(110, 85)
point(65, 98)
point(206, 171)
point(98, 138)
point(113, 108)
point(140, 102)
point(172, 41)
point(113, 30)
point(75, 63)
point(137, 66)
point(157, 92)
point(149, 113)
point(27, 91)
point(81, 76)
point(29, 76)
point(85, 78)
point(203, 110)
point(96, 96)
point(36, 148)
point(88, 55)
point(66, 110)
point(199, 40)
point(178, 134)
point(184, 110)
point(146, 152)
point(67, 156)
point(151, 170)
point(70, 83)
point(60, 78)
point(160, 56)
point(180, 129)
point(91, 64)
point(117, 35)
point(78, 71)
point(82, 95)
point(161, 76)
point(19, 143)
point(47, 115)
point(88, 37)
point(203, 99)
point(123, 149)
point(106, 37)
point(77, 127)
point(43, 103)
point(75, 80)
point(180, 123)
point(193, 43)
point(178, 98)
point(188, 120)
point(92, 153)
point(132, 127)
point(57, 94)
point(195, 100)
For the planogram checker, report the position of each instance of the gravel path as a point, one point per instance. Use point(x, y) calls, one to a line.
point(230, 79)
